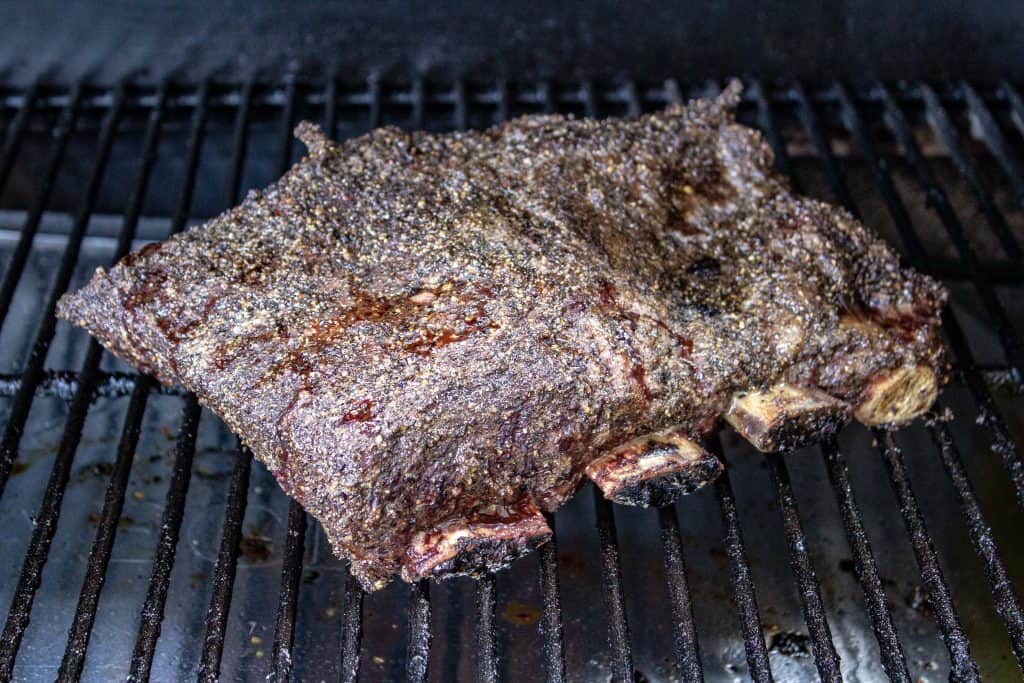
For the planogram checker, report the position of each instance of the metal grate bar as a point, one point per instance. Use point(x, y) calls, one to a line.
point(673, 93)
point(418, 103)
point(486, 650)
point(687, 648)
point(766, 121)
point(460, 111)
point(962, 664)
point(195, 148)
point(351, 629)
point(375, 102)
point(33, 373)
point(170, 527)
point(288, 598)
point(939, 120)
point(502, 97)
point(546, 97)
point(939, 202)
point(240, 142)
point(417, 656)
point(223, 580)
point(614, 596)
point(810, 596)
point(985, 124)
point(1016, 104)
point(552, 639)
point(1006, 601)
point(62, 134)
point(99, 556)
point(1002, 444)
point(894, 662)
point(742, 583)
point(16, 133)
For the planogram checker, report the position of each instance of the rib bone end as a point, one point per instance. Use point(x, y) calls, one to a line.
point(898, 397)
point(786, 417)
point(654, 469)
point(485, 544)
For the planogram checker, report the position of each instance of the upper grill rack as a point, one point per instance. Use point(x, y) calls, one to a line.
point(880, 125)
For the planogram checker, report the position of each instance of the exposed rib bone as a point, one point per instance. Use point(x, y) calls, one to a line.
point(786, 417)
point(485, 544)
point(898, 396)
point(654, 469)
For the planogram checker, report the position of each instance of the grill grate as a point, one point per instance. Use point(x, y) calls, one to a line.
point(899, 138)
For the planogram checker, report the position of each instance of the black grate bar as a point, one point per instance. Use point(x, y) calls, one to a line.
point(195, 148)
point(962, 664)
point(240, 142)
point(62, 134)
point(375, 101)
point(106, 532)
point(287, 126)
point(985, 125)
point(810, 597)
point(940, 122)
point(460, 110)
point(486, 650)
point(1016, 104)
point(331, 107)
point(417, 656)
point(546, 97)
point(418, 103)
point(742, 583)
point(351, 629)
point(288, 598)
point(33, 372)
point(614, 595)
point(170, 528)
point(552, 637)
point(687, 648)
point(939, 202)
point(16, 133)
point(1006, 601)
point(502, 101)
point(988, 414)
point(894, 661)
point(632, 95)
point(223, 580)
point(766, 121)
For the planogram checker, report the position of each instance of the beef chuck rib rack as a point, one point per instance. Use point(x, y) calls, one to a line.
point(433, 339)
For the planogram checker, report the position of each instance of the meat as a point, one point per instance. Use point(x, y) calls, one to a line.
point(431, 340)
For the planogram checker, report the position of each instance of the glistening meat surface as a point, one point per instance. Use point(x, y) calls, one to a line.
point(431, 339)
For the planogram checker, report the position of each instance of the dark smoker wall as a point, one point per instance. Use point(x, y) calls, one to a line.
point(813, 39)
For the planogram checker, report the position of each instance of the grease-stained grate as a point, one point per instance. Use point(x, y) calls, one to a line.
point(142, 540)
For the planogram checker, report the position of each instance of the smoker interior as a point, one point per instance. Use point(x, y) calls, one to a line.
point(177, 556)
